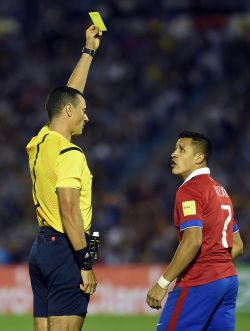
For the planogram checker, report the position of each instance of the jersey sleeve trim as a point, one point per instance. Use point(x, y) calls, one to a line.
point(191, 224)
point(235, 228)
point(70, 149)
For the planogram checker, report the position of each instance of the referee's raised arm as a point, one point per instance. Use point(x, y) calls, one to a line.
point(80, 73)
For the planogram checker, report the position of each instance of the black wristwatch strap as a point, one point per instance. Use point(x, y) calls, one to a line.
point(88, 51)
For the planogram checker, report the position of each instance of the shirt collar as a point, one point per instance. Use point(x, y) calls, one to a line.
point(198, 172)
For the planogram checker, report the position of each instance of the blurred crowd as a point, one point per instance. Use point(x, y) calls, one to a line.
point(160, 69)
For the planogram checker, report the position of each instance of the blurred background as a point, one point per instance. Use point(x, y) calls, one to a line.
point(163, 66)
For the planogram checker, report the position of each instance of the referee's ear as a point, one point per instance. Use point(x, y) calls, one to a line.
point(68, 109)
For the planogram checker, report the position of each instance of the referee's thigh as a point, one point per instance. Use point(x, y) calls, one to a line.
point(65, 323)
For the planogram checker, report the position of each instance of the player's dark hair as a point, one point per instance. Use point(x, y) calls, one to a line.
point(59, 98)
point(200, 140)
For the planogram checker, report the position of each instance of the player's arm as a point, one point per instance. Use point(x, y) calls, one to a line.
point(237, 245)
point(189, 206)
point(72, 221)
point(184, 255)
point(79, 76)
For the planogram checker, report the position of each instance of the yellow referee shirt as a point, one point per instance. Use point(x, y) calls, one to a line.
point(55, 162)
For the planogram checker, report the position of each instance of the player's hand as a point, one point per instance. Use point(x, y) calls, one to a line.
point(93, 36)
point(89, 281)
point(155, 296)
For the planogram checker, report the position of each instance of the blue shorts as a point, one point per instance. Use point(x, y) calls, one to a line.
point(209, 307)
point(55, 276)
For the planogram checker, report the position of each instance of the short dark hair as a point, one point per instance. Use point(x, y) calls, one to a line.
point(58, 98)
point(200, 140)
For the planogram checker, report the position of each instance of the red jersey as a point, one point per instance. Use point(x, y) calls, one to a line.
point(203, 202)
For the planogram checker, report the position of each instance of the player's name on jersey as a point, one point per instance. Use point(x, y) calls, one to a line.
point(220, 191)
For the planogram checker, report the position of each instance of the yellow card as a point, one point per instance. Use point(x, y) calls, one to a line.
point(189, 208)
point(97, 20)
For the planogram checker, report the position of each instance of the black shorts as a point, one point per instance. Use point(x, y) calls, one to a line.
point(55, 276)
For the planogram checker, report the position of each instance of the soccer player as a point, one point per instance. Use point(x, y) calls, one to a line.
point(60, 267)
point(204, 296)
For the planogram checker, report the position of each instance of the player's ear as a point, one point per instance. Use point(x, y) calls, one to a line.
point(199, 158)
point(68, 109)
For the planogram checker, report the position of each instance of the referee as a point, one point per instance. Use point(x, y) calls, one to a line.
point(60, 268)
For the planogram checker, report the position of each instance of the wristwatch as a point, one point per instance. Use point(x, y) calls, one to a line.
point(88, 51)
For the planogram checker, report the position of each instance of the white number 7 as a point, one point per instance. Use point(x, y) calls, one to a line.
point(227, 221)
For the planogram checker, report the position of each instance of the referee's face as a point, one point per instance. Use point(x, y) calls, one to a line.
point(79, 118)
point(184, 158)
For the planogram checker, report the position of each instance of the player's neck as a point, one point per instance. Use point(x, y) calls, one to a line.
point(190, 171)
point(59, 127)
